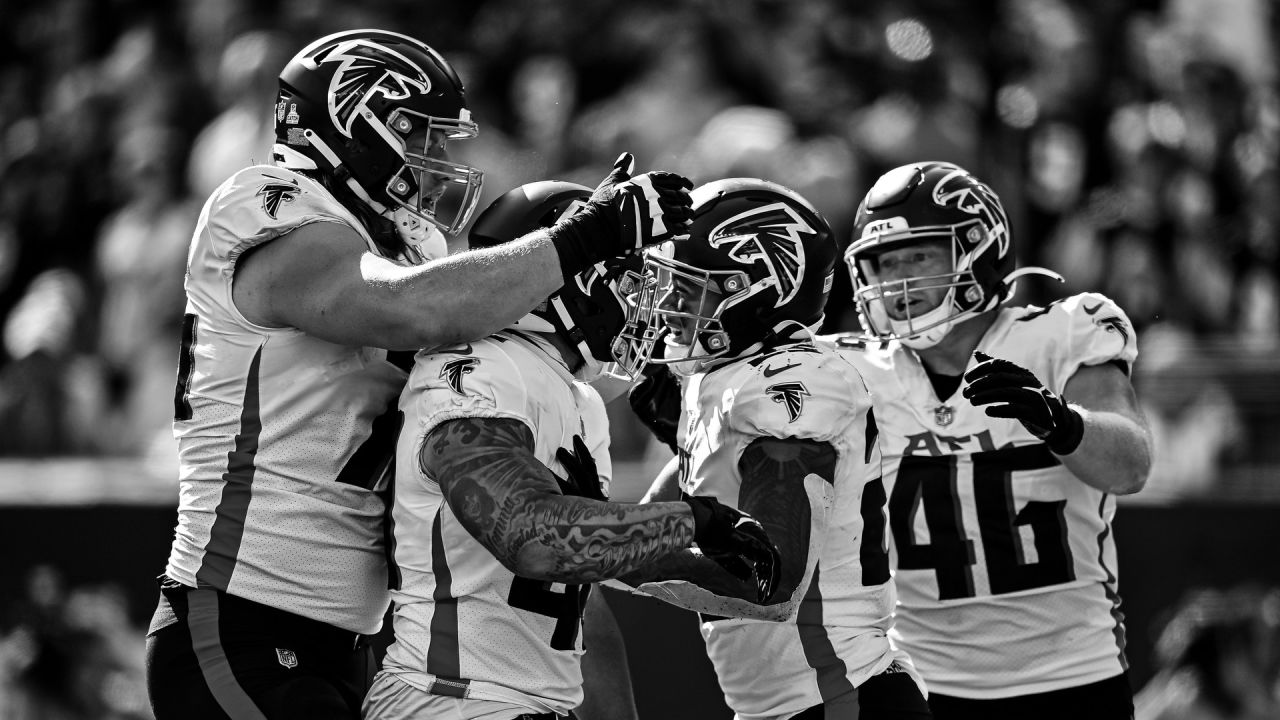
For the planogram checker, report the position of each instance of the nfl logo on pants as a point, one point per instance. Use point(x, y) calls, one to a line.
point(287, 658)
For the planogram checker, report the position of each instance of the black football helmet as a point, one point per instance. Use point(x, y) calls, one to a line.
point(348, 106)
point(764, 250)
point(930, 202)
point(607, 311)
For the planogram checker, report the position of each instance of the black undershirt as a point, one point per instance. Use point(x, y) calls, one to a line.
point(944, 386)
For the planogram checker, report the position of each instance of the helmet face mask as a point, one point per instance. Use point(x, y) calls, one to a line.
point(690, 302)
point(923, 204)
point(755, 271)
point(452, 189)
point(607, 312)
point(365, 107)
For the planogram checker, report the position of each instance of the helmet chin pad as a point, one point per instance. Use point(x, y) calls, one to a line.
point(919, 332)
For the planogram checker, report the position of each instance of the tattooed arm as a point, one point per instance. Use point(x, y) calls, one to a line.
point(787, 484)
point(510, 502)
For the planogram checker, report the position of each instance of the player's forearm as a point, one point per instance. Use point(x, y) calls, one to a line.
point(468, 296)
point(692, 581)
point(666, 484)
point(577, 540)
point(1114, 455)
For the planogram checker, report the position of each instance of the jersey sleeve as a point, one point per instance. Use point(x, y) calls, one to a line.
point(482, 383)
point(812, 396)
point(261, 203)
point(1096, 331)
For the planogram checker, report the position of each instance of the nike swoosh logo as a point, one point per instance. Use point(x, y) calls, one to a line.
point(1092, 310)
point(771, 371)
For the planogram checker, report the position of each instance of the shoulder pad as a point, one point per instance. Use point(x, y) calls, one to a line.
point(802, 391)
point(1084, 329)
point(261, 203)
point(475, 379)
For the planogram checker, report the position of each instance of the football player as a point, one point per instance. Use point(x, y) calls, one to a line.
point(500, 520)
point(1008, 432)
point(301, 274)
point(782, 429)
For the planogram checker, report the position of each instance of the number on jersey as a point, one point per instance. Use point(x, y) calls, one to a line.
point(566, 607)
point(929, 482)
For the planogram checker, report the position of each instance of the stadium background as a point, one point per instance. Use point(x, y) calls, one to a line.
point(1135, 145)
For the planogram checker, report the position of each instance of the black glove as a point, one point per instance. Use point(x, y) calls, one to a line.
point(584, 479)
point(656, 401)
point(623, 215)
point(1018, 394)
point(737, 542)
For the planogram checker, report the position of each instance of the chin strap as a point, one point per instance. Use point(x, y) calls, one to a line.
point(1011, 280)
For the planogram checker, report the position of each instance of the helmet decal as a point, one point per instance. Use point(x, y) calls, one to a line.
point(772, 236)
point(975, 199)
point(368, 68)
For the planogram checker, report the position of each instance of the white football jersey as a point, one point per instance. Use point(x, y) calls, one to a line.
point(465, 625)
point(1005, 561)
point(838, 638)
point(284, 440)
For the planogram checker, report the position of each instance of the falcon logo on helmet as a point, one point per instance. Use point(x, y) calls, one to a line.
point(977, 199)
point(453, 371)
point(273, 194)
point(769, 235)
point(790, 395)
point(369, 68)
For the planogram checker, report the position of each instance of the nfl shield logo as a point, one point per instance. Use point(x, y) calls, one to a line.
point(944, 414)
point(287, 658)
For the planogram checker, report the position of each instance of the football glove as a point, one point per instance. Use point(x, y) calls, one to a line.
point(624, 215)
point(656, 401)
point(584, 478)
point(1008, 390)
point(737, 542)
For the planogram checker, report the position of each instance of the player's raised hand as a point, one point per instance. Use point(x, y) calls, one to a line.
point(737, 542)
point(656, 401)
point(624, 215)
point(584, 478)
point(1005, 389)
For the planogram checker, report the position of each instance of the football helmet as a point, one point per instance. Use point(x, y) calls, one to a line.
point(754, 273)
point(364, 107)
point(606, 312)
point(924, 203)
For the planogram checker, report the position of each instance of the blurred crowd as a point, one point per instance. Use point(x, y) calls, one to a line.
point(1135, 146)
point(70, 654)
point(1218, 658)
